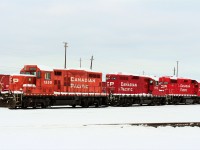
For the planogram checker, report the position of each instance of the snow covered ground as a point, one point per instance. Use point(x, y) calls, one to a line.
point(75, 129)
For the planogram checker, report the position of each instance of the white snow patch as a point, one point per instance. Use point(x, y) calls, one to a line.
point(68, 128)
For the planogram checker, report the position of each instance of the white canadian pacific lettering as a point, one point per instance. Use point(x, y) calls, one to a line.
point(183, 90)
point(126, 89)
point(79, 86)
point(73, 79)
point(184, 86)
point(129, 84)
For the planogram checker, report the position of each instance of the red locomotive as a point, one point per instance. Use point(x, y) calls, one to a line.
point(178, 90)
point(129, 89)
point(39, 86)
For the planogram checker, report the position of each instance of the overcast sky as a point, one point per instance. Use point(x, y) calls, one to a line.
point(123, 35)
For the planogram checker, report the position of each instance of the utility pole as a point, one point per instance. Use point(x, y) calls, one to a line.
point(65, 52)
point(91, 62)
point(80, 62)
point(177, 69)
point(174, 71)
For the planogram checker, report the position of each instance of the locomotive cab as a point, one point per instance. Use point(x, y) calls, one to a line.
point(31, 86)
point(42, 78)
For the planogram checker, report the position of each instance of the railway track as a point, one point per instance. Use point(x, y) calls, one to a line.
point(165, 124)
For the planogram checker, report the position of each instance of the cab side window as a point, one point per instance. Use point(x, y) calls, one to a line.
point(47, 76)
point(38, 74)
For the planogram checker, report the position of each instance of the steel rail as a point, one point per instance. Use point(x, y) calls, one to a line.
point(161, 124)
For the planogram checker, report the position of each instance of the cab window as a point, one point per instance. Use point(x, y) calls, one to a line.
point(47, 76)
point(38, 74)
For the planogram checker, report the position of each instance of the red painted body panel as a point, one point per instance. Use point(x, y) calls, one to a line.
point(41, 82)
point(4, 82)
point(177, 86)
point(198, 90)
point(157, 91)
point(19, 83)
point(104, 87)
point(129, 84)
point(77, 81)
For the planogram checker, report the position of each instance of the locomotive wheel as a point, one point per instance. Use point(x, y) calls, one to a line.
point(124, 102)
point(12, 104)
point(24, 106)
point(85, 103)
point(43, 105)
point(163, 101)
point(128, 102)
point(98, 103)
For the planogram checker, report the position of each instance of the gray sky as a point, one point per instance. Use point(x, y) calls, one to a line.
point(123, 35)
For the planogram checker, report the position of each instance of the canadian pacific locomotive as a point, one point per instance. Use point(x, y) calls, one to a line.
point(38, 86)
